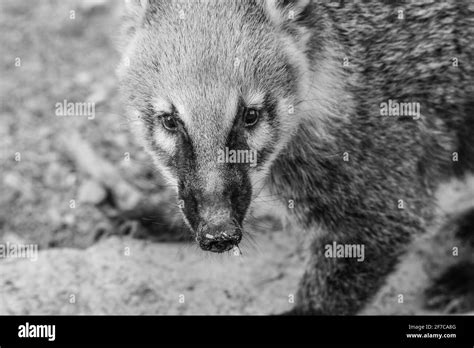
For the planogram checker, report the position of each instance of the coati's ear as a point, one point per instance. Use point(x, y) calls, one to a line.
point(134, 5)
point(281, 12)
point(133, 14)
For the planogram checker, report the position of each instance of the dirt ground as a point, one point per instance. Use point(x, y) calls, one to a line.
point(64, 50)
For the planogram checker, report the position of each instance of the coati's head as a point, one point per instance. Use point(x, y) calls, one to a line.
point(212, 84)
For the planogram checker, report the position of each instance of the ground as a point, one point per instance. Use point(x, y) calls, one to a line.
point(64, 50)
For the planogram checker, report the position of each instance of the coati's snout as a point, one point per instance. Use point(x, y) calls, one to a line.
point(214, 212)
point(219, 238)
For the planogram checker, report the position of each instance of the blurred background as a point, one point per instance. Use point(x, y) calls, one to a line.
point(54, 51)
point(109, 237)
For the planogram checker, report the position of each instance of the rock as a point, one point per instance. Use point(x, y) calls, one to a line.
point(12, 180)
point(83, 78)
point(54, 216)
point(91, 192)
point(18, 185)
point(68, 219)
point(127, 276)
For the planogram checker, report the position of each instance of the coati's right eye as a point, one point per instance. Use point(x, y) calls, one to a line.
point(169, 122)
point(250, 117)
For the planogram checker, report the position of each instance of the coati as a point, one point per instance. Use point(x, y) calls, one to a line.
point(305, 84)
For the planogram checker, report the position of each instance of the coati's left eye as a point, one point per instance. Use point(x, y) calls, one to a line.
point(169, 122)
point(250, 117)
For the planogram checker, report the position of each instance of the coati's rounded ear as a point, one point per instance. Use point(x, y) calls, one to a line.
point(134, 11)
point(132, 15)
point(282, 11)
point(135, 6)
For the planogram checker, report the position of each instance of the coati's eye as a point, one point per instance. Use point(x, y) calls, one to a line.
point(169, 122)
point(250, 117)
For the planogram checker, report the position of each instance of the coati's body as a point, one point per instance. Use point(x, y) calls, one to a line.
point(318, 73)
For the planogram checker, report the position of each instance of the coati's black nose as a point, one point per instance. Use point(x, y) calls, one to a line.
point(219, 238)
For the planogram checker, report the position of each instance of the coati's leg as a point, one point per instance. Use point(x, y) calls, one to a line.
point(338, 285)
point(378, 216)
point(333, 285)
point(360, 244)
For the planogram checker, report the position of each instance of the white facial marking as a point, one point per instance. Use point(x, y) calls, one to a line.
point(161, 105)
point(164, 140)
point(254, 99)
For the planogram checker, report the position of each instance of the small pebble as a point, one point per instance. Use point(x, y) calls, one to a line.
point(91, 192)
